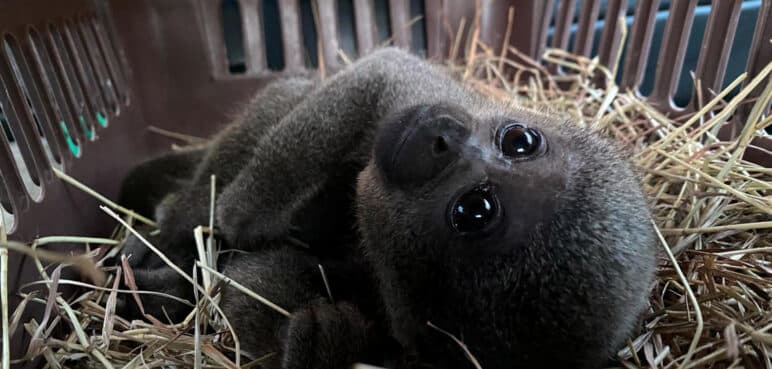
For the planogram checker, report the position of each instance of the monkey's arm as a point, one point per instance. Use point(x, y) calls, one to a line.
point(229, 152)
point(333, 126)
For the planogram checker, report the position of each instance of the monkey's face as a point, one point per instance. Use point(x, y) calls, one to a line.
point(523, 236)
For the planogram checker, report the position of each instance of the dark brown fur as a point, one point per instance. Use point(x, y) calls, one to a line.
point(558, 281)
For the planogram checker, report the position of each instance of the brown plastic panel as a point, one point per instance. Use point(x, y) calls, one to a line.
point(37, 74)
point(163, 63)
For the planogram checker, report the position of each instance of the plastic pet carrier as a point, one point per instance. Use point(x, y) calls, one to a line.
point(85, 86)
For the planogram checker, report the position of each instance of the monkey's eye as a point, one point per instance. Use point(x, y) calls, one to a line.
point(517, 141)
point(474, 210)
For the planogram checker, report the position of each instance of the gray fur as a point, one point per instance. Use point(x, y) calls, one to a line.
point(559, 283)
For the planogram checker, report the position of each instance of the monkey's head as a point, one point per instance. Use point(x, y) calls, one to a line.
point(525, 237)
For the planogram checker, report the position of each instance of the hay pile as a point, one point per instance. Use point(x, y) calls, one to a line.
point(710, 307)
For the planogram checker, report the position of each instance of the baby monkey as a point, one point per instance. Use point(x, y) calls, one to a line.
point(434, 211)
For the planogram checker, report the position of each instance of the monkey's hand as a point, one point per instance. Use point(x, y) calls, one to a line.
point(328, 336)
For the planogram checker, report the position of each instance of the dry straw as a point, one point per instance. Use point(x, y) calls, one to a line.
point(709, 308)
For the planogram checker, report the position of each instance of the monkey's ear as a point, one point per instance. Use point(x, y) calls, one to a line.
point(149, 182)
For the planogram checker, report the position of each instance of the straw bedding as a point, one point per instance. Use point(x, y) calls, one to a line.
point(711, 304)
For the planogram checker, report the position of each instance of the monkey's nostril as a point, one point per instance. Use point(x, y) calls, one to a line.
point(440, 145)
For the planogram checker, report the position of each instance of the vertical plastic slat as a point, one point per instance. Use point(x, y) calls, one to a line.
point(9, 174)
point(253, 35)
point(34, 53)
point(561, 36)
point(88, 86)
point(672, 52)
point(93, 58)
point(66, 73)
point(761, 48)
point(117, 68)
point(365, 25)
point(437, 39)
point(328, 32)
point(545, 15)
point(212, 19)
point(31, 71)
point(563, 22)
point(639, 43)
point(586, 29)
point(52, 68)
point(759, 56)
point(21, 122)
point(611, 37)
point(717, 45)
point(289, 11)
point(399, 11)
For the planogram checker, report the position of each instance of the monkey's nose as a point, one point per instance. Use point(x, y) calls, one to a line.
point(421, 149)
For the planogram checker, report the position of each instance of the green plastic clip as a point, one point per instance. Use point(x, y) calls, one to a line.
point(74, 149)
point(102, 119)
point(89, 131)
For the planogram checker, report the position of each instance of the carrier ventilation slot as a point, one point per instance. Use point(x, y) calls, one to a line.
point(294, 35)
point(28, 80)
point(18, 125)
point(56, 86)
point(347, 29)
point(70, 79)
point(234, 37)
point(274, 47)
point(97, 60)
point(85, 75)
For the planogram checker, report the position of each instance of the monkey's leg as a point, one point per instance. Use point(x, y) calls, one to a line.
point(320, 333)
point(333, 126)
point(189, 206)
